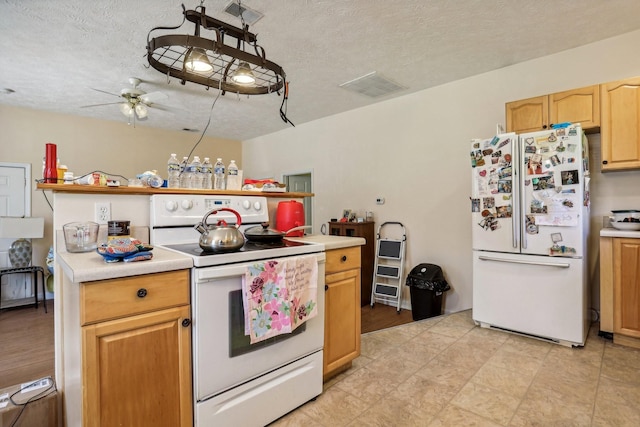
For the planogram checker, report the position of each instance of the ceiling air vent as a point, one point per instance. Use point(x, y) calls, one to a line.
point(372, 85)
point(250, 16)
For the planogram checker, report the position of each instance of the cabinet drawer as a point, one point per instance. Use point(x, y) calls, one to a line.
point(115, 298)
point(342, 259)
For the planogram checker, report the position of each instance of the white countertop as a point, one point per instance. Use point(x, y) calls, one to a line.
point(330, 242)
point(89, 266)
point(614, 232)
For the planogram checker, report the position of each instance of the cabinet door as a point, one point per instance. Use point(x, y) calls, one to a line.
point(342, 319)
point(137, 370)
point(528, 115)
point(576, 106)
point(620, 127)
point(626, 283)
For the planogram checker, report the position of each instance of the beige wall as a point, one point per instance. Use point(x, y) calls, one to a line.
point(414, 152)
point(87, 145)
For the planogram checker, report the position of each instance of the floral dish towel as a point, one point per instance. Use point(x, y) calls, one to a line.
point(279, 295)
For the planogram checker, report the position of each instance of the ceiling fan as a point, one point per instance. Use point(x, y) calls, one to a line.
point(135, 102)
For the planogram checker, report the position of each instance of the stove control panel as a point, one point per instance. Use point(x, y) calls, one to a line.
point(186, 210)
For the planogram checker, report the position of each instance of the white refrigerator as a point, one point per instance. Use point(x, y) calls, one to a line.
point(530, 225)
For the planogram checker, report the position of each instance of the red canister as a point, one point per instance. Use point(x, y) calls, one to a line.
point(50, 173)
point(290, 214)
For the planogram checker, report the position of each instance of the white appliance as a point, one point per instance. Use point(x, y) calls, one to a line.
point(530, 225)
point(235, 382)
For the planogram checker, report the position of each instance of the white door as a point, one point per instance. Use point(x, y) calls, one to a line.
point(301, 183)
point(15, 192)
point(13, 197)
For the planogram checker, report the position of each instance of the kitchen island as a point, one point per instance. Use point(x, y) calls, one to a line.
point(112, 311)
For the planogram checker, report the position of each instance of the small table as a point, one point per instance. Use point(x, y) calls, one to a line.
point(34, 270)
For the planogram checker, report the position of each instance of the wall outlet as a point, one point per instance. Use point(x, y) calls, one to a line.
point(380, 201)
point(103, 212)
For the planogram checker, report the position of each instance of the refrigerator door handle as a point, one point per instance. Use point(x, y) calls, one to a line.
point(514, 261)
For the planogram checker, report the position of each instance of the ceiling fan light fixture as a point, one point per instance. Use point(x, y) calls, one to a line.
point(243, 74)
point(196, 60)
point(126, 109)
point(141, 110)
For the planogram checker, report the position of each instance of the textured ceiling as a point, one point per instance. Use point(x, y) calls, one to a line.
point(53, 53)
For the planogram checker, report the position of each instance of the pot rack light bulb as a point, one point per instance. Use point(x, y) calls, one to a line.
point(243, 75)
point(196, 60)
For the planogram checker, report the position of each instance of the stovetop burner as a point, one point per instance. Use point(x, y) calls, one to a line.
point(194, 249)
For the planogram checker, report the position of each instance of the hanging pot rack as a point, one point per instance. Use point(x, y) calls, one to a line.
point(167, 53)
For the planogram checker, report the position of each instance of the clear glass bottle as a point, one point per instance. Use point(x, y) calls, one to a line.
point(207, 171)
point(173, 172)
point(218, 172)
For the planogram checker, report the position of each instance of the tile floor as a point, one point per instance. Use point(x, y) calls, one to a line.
point(445, 371)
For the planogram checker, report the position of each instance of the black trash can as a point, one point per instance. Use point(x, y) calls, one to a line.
point(427, 284)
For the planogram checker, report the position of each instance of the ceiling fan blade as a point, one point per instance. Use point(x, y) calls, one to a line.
point(98, 105)
point(104, 91)
point(163, 108)
point(150, 98)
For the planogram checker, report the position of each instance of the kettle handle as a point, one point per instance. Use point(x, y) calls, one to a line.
point(215, 211)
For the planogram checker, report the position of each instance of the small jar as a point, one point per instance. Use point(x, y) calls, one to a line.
point(68, 177)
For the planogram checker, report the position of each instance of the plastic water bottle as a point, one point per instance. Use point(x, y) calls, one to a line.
point(173, 172)
point(233, 178)
point(185, 177)
point(196, 173)
point(218, 171)
point(207, 171)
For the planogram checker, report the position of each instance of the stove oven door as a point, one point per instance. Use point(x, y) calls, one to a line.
point(223, 356)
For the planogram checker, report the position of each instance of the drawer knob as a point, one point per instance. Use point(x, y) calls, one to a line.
point(186, 322)
point(326, 287)
point(344, 258)
point(142, 292)
point(604, 162)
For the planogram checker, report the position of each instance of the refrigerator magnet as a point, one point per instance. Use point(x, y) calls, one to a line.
point(552, 137)
point(569, 177)
point(531, 226)
point(503, 143)
point(475, 205)
point(503, 211)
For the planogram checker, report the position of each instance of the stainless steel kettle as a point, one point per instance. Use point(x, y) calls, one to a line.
point(220, 237)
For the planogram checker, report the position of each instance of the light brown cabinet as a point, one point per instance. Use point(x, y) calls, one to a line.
point(620, 290)
point(539, 113)
point(626, 287)
point(368, 252)
point(620, 130)
point(136, 350)
point(342, 310)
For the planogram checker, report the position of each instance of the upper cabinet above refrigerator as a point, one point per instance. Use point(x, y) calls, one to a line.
point(620, 132)
point(540, 113)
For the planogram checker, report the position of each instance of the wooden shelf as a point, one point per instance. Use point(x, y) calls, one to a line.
point(98, 189)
